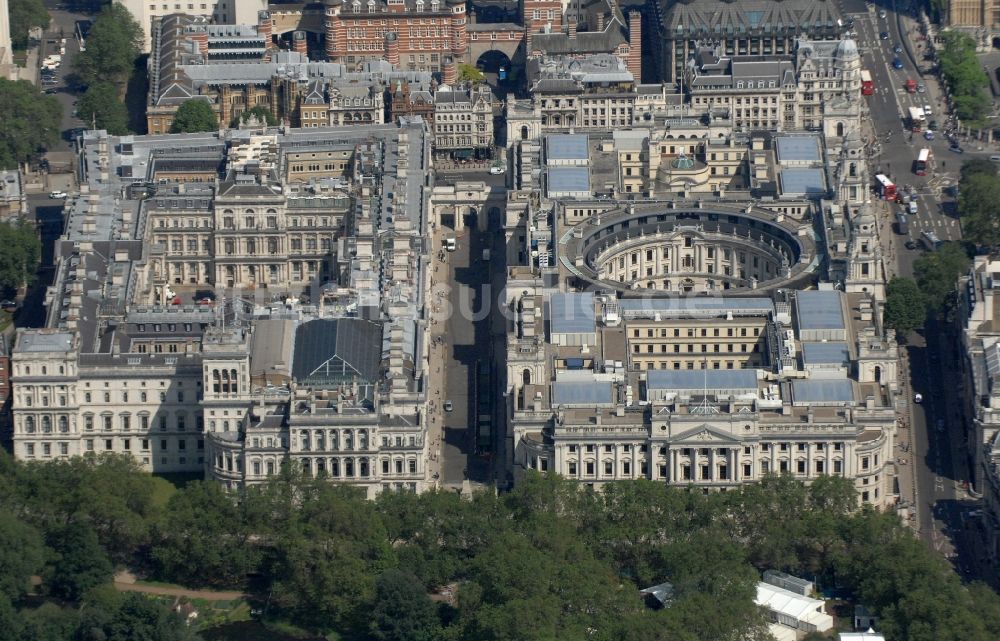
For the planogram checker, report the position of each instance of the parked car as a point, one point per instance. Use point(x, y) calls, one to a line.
point(8, 305)
point(956, 149)
point(932, 125)
point(928, 135)
point(918, 398)
point(910, 244)
point(448, 406)
point(57, 194)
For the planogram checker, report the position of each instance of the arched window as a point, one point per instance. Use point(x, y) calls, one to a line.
point(348, 441)
point(526, 377)
point(363, 440)
point(63, 424)
point(29, 424)
point(840, 130)
point(46, 424)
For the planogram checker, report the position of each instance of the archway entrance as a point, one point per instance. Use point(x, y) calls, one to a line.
point(497, 67)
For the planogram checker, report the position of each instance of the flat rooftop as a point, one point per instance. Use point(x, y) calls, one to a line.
point(566, 147)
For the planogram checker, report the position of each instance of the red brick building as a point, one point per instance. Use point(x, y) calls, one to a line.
point(410, 34)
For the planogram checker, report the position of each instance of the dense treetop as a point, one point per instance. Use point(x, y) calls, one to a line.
point(550, 560)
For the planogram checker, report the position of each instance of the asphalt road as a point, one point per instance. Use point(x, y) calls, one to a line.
point(467, 343)
point(937, 446)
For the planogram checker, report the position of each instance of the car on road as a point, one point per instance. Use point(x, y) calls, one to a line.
point(496, 170)
point(57, 194)
point(921, 88)
point(918, 398)
point(884, 35)
point(881, 13)
point(933, 125)
point(910, 244)
point(928, 135)
point(8, 305)
point(897, 49)
point(897, 63)
point(956, 149)
point(448, 406)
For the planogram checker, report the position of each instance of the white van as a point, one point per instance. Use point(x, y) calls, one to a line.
point(913, 207)
point(449, 243)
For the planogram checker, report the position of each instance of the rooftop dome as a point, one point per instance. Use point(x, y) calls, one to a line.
point(847, 48)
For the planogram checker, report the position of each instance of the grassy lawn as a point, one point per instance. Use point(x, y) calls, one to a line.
point(5, 319)
point(167, 484)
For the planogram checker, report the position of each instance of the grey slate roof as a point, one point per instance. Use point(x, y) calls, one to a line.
point(572, 313)
point(832, 353)
point(819, 310)
point(566, 147)
point(696, 379)
point(822, 391)
point(338, 350)
point(709, 18)
point(590, 393)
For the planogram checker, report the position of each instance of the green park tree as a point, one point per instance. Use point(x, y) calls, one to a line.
point(203, 539)
point(964, 75)
point(937, 273)
point(29, 121)
point(403, 611)
point(905, 307)
point(114, 43)
point(260, 112)
point(25, 15)
point(21, 252)
point(977, 203)
point(194, 115)
point(469, 73)
point(100, 105)
point(80, 562)
point(975, 166)
point(21, 556)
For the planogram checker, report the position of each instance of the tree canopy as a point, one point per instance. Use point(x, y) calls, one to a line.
point(29, 121)
point(22, 250)
point(549, 560)
point(937, 273)
point(905, 307)
point(101, 105)
point(113, 44)
point(24, 16)
point(964, 75)
point(977, 202)
point(469, 73)
point(194, 115)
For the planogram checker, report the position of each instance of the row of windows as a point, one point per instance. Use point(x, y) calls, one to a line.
point(591, 448)
point(687, 472)
point(691, 349)
point(692, 332)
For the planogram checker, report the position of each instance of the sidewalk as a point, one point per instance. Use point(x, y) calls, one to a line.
point(126, 582)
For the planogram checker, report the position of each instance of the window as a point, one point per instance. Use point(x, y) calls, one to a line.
point(163, 443)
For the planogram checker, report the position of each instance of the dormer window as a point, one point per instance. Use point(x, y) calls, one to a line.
point(420, 5)
point(356, 6)
point(371, 6)
point(435, 5)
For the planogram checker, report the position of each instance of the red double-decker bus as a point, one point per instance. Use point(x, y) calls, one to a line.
point(922, 164)
point(867, 86)
point(886, 188)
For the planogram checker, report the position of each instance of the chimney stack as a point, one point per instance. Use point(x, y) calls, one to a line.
point(634, 61)
point(265, 26)
point(299, 43)
point(449, 72)
point(600, 22)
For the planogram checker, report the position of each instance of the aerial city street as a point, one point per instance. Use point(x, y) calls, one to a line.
point(477, 319)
